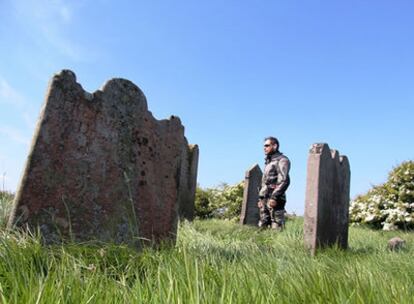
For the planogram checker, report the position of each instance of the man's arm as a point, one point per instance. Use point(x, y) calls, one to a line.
point(283, 178)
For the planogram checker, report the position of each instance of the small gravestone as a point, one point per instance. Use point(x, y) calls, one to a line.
point(327, 198)
point(101, 167)
point(396, 244)
point(252, 182)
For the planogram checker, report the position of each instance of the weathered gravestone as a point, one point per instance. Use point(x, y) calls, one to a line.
point(101, 167)
point(252, 182)
point(327, 198)
point(189, 183)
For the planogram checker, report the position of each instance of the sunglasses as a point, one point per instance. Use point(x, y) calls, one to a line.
point(266, 146)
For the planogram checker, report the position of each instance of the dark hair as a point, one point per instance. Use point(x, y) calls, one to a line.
point(274, 140)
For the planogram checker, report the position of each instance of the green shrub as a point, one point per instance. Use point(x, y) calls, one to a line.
point(6, 200)
point(204, 203)
point(388, 206)
point(223, 201)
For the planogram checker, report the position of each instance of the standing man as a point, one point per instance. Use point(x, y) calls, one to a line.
point(275, 182)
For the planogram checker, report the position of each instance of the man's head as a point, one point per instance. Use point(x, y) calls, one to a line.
point(271, 145)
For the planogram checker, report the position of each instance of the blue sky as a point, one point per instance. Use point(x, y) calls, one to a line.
point(340, 72)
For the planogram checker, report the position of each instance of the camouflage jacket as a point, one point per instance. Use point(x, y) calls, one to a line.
point(275, 180)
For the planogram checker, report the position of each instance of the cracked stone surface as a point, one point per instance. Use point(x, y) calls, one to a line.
point(101, 167)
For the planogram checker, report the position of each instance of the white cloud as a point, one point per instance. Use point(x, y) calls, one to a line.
point(48, 22)
point(10, 96)
point(3, 182)
point(30, 119)
point(4, 177)
point(7, 183)
point(15, 135)
point(66, 13)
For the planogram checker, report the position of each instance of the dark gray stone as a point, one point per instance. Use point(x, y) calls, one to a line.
point(252, 182)
point(327, 198)
point(188, 183)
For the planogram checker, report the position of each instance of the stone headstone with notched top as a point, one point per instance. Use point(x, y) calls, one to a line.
point(327, 198)
point(101, 167)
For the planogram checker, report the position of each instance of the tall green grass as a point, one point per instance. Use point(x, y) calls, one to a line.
point(213, 262)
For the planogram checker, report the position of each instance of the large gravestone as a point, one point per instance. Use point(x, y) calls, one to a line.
point(101, 167)
point(327, 199)
point(252, 182)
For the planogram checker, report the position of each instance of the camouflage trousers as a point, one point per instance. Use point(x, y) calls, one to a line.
point(273, 217)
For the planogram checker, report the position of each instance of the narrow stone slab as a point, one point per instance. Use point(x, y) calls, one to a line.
point(101, 167)
point(188, 183)
point(327, 198)
point(252, 182)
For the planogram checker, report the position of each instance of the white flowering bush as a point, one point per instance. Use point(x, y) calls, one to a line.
point(389, 206)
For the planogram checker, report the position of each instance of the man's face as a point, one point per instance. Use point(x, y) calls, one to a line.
point(269, 147)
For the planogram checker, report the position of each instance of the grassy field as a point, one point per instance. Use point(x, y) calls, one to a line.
point(213, 262)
